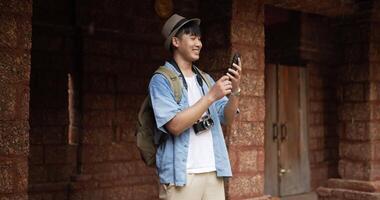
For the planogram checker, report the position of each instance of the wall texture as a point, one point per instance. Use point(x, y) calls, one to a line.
point(15, 44)
point(358, 108)
point(85, 75)
point(246, 138)
point(52, 158)
point(320, 50)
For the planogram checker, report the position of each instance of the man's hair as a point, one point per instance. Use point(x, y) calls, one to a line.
point(190, 28)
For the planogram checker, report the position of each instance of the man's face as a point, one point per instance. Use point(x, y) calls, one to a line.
point(189, 46)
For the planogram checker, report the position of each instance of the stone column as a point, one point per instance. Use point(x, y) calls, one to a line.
point(359, 113)
point(246, 139)
point(15, 45)
point(229, 28)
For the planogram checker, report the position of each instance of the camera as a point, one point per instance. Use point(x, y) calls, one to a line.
point(205, 123)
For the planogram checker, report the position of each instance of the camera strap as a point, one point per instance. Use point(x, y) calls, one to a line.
point(199, 78)
point(200, 82)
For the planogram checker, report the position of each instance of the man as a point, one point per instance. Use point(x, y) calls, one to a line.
point(192, 162)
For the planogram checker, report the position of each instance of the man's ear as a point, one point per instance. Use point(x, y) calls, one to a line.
point(175, 42)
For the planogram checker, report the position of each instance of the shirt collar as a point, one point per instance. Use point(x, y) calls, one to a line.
point(170, 66)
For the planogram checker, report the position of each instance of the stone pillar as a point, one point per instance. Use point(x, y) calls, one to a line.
point(246, 139)
point(229, 28)
point(15, 45)
point(359, 113)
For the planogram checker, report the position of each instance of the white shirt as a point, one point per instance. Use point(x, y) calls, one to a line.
point(200, 157)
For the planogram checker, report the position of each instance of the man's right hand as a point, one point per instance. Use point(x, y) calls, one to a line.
point(187, 117)
point(221, 88)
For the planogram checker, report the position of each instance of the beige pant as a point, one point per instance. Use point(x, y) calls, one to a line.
point(204, 186)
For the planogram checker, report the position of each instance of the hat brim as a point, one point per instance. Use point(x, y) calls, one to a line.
point(174, 32)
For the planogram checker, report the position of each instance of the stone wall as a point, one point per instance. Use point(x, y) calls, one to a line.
point(246, 138)
point(358, 110)
point(309, 40)
point(91, 63)
point(52, 158)
point(122, 46)
point(374, 91)
point(319, 49)
point(231, 27)
point(355, 109)
point(15, 44)
point(81, 132)
point(110, 49)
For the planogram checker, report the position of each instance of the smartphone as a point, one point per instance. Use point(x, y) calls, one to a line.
point(235, 59)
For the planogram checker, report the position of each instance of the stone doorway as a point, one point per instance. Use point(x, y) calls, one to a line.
point(287, 171)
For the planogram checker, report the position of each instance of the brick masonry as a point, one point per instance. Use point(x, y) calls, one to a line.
point(104, 49)
point(52, 159)
point(120, 50)
point(246, 138)
point(358, 110)
point(15, 43)
point(355, 110)
point(320, 50)
point(319, 7)
point(110, 48)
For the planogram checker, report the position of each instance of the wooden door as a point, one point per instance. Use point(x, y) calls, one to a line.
point(287, 169)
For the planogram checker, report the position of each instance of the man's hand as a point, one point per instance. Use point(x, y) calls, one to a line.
point(220, 89)
point(234, 75)
point(187, 117)
point(233, 102)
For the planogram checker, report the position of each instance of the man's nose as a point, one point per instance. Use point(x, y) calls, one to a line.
point(198, 42)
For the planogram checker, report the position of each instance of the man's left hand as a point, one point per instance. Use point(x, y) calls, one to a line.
point(235, 76)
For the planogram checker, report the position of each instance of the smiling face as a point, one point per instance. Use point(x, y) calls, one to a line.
point(188, 46)
point(187, 42)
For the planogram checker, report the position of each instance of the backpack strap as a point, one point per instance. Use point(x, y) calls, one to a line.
point(174, 81)
point(204, 76)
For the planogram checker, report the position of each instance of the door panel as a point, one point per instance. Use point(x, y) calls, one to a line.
point(290, 111)
point(271, 132)
point(287, 168)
